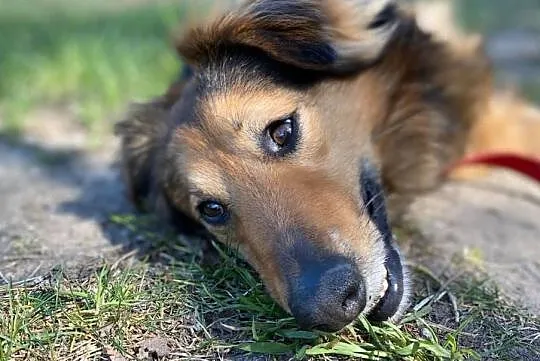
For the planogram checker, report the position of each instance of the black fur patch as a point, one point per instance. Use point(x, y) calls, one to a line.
point(184, 224)
point(373, 197)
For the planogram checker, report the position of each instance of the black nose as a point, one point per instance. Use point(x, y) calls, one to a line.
point(328, 297)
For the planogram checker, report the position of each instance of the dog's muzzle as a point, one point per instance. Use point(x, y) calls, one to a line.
point(328, 292)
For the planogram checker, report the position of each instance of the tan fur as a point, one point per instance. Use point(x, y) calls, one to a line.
point(411, 103)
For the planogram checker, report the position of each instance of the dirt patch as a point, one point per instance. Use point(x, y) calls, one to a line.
point(55, 207)
point(494, 224)
point(154, 348)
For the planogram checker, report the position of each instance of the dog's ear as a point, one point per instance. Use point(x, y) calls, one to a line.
point(142, 133)
point(326, 35)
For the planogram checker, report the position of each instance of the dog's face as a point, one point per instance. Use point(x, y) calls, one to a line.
point(271, 152)
point(290, 178)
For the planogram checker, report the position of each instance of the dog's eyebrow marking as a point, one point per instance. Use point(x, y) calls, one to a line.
point(285, 115)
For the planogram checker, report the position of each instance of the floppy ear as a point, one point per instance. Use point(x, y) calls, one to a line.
point(324, 35)
point(141, 133)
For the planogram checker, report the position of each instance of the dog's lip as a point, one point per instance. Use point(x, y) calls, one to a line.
point(391, 301)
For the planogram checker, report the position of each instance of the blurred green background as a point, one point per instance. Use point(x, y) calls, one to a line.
point(93, 57)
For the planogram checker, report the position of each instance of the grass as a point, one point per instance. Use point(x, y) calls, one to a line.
point(88, 57)
point(488, 16)
point(492, 16)
point(179, 310)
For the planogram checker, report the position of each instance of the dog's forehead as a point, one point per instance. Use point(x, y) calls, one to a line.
point(240, 65)
point(229, 111)
point(242, 109)
point(229, 126)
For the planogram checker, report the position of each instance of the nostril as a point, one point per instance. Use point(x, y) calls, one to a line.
point(328, 298)
point(354, 300)
point(350, 303)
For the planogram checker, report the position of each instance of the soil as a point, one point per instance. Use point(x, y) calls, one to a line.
point(494, 224)
point(56, 198)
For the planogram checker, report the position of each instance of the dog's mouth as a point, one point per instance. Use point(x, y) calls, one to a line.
point(393, 296)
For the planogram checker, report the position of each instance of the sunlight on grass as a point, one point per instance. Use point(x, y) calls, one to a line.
point(223, 310)
point(94, 57)
point(203, 312)
point(89, 59)
point(490, 15)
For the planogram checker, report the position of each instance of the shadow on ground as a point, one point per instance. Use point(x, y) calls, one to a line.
point(57, 207)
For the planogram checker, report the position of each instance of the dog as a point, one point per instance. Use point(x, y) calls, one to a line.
point(299, 130)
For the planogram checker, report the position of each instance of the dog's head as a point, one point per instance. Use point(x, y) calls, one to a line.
point(269, 149)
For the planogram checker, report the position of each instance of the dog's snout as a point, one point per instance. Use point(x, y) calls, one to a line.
point(328, 297)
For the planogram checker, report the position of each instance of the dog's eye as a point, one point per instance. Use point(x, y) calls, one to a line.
point(281, 133)
point(280, 137)
point(213, 212)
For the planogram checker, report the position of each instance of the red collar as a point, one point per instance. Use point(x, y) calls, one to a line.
point(526, 165)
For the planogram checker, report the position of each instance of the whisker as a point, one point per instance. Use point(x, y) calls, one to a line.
point(365, 207)
point(373, 199)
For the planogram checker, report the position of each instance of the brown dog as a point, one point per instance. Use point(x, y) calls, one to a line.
point(291, 124)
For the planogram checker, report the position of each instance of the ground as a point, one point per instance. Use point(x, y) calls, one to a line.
point(108, 285)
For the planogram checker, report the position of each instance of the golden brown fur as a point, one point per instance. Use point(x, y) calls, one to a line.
point(369, 89)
